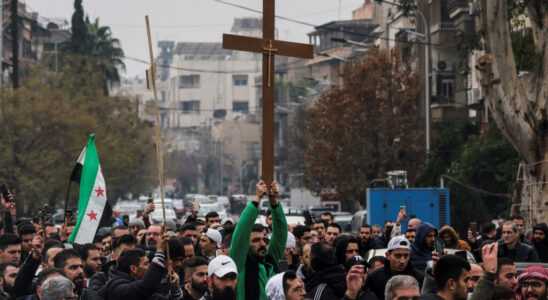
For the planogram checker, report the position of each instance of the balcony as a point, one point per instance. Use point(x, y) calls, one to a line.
point(455, 7)
point(444, 26)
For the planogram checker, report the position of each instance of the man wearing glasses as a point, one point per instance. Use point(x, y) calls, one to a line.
point(511, 247)
point(533, 283)
point(397, 263)
point(255, 258)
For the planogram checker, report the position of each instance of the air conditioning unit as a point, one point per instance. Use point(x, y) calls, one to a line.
point(444, 66)
point(474, 8)
point(475, 95)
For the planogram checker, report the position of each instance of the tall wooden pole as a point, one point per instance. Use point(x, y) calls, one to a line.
point(14, 44)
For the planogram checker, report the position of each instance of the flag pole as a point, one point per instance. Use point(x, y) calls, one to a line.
point(66, 202)
point(151, 81)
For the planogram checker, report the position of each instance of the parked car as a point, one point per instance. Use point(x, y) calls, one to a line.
point(125, 208)
point(157, 215)
point(358, 219)
point(317, 211)
point(224, 201)
point(344, 219)
point(209, 207)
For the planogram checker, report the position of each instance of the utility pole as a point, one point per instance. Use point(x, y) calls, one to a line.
point(14, 44)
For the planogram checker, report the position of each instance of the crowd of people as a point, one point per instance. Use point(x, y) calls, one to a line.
point(248, 259)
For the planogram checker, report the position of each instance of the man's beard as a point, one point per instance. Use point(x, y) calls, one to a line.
point(8, 289)
point(225, 294)
point(79, 283)
point(89, 270)
point(200, 287)
point(532, 294)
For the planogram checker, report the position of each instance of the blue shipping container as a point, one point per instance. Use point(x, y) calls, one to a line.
point(428, 204)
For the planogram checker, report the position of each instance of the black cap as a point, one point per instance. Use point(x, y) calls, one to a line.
point(356, 260)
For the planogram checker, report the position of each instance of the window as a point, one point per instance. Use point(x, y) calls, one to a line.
point(49, 47)
point(447, 89)
point(189, 81)
point(239, 80)
point(190, 107)
point(241, 106)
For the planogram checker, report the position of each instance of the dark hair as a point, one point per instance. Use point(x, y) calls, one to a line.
point(129, 257)
point(299, 231)
point(449, 267)
point(488, 227)
point(211, 214)
point(195, 262)
point(4, 266)
point(322, 256)
point(121, 227)
point(516, 217)
point(258, 228)
point(268, 213)
point(227, 241)
point(199, 223)
point(105, 235)
point(126, 239)
point(386, 222)
point(176, 248)
point(503, 261)
point(185, 227)
point(48, 244)
point(187, 241)
point(328, 214)
point(341, 243)
point(26, 228)
point(288, 276)
point(411, 230)
point(366, 226)
point(60, 260)
point(84, 251)
point(8, 239)
point(336, 226)
point(42, 276)
point(375, 259)
point(503, 293)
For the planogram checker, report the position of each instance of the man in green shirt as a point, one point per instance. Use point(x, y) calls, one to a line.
point(256, 259)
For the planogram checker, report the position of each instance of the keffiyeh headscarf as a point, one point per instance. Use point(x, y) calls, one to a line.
point(275, 287)
point(532, 272)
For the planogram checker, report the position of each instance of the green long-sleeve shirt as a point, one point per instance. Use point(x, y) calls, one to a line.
point(240, 246)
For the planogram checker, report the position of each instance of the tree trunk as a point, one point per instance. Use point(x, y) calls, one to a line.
point(519, 104)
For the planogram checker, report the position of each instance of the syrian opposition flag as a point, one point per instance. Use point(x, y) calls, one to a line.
point(94, 211)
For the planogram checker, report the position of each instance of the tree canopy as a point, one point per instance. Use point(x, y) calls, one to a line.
point(46, 123)
point(367, 127)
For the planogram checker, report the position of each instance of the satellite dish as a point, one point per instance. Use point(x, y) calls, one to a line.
point(219, 113)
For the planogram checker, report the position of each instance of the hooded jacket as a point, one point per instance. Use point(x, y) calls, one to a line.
point(340, 248)
point(542, 246)
point(329, 284)
point(456, 243)
point(420, 255)
point(376, 281)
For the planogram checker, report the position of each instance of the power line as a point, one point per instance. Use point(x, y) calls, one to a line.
point(332, 29)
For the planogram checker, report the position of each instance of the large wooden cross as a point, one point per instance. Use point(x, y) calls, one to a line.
point(269, 47)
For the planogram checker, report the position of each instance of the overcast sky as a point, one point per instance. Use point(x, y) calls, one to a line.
point(190, 20)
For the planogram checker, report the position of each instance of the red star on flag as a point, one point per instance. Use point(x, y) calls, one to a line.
point(92, 216)
point(100, 192)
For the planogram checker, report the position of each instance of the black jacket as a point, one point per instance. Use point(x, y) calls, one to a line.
point(376, 281)
point(542, 246)
point(420, 255)
point(23, 282)
point(88, 294)
point(329, 283)
point(520, 253)
point(369, 245)
point(121, 285)
point(430, 296)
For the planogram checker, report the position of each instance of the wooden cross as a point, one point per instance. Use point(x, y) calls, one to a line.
point(269, 47)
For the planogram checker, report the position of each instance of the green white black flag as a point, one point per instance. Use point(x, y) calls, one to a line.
point(93, 207)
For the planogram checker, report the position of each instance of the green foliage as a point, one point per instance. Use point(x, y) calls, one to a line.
point(357, 133)
point(483, 161)
point(46, 123)
point(525, 54)
point(89, 39)
point(79, 37)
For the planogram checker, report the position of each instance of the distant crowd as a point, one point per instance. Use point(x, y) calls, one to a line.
point(211, 258)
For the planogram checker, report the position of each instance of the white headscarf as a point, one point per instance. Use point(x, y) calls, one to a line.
point(275, 287)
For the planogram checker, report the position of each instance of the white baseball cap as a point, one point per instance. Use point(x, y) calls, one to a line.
point(290, 243)
point(221, 265)
point(215, 235)
point(399, 242)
